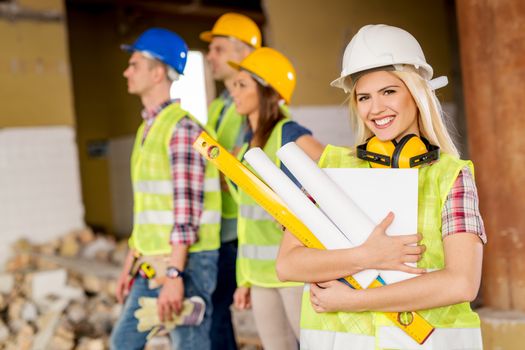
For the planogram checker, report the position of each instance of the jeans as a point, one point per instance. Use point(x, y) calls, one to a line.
point(222, 335)
point(199, 279)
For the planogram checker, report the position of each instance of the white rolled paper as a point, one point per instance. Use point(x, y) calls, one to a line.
point(342, 211)
point(313, 218)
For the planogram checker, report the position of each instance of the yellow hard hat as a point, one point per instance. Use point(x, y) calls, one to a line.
point(236, 26)
point(270, 67)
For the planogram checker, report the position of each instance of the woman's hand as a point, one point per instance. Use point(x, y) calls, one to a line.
point(385, 252)
point(241, 298)
point(334, 296)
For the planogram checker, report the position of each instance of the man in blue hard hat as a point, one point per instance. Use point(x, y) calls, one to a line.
point(173, 247)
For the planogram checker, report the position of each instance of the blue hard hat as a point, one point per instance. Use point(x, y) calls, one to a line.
point(164, 45)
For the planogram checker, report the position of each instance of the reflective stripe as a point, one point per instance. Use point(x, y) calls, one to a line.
point(440, 339)
point(166, 217)
point(256, 252)
point(212, 185)
point(166, 187)
point(254, 212)
point(327, 340)
point(155, 217)
point(210, 217)
point(157, 187)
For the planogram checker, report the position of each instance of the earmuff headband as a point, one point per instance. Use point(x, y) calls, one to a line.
point(399, 148)
point(431, 156)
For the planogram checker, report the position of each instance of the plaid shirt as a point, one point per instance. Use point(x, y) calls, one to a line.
point(188, 176)
point(461, 210)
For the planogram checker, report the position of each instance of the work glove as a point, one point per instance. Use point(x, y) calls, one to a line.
point(191, 314)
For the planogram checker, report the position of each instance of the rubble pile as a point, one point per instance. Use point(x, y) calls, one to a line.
point(60, 295)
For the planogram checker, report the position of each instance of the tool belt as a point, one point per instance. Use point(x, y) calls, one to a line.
point(152, 267)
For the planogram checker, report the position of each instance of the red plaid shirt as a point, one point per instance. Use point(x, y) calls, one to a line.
point(188, 176)
point(461, 210)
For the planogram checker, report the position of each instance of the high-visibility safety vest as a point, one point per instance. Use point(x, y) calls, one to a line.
point(227, 134)
point(258, 233)
point(152, 179)
point(457, 326)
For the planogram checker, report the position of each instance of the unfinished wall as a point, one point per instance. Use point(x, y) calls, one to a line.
point(39, 185)
point(39, 179)
point(34, 66)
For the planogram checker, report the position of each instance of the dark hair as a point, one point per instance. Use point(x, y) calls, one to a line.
point(269, 115)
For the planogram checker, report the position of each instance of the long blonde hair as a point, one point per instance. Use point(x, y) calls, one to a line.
point(431, 119)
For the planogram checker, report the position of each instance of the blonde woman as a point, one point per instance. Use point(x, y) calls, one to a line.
point(393, 105)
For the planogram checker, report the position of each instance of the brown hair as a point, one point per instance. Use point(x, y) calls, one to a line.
point(269, 115)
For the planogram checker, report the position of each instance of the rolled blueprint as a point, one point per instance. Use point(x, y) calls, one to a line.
point(313, 218)
point(333, 201)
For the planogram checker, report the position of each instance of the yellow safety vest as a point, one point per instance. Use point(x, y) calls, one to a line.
point(457, 326)
point(153, 190)
point(258, 233)
point(227, 134)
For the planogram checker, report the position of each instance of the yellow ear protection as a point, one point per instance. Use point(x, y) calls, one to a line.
point(410, 152)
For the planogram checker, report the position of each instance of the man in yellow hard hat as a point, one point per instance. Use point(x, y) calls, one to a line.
point(232, 38)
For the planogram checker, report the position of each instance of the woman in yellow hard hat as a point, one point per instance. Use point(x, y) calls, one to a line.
point(393, 105)
point(264, 84)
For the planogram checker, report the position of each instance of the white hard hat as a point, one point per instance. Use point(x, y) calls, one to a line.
point(380, 45)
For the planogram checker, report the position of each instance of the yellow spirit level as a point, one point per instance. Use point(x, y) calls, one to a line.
point(410, 322)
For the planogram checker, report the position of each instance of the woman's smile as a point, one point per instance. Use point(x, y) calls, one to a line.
point(384, 122)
